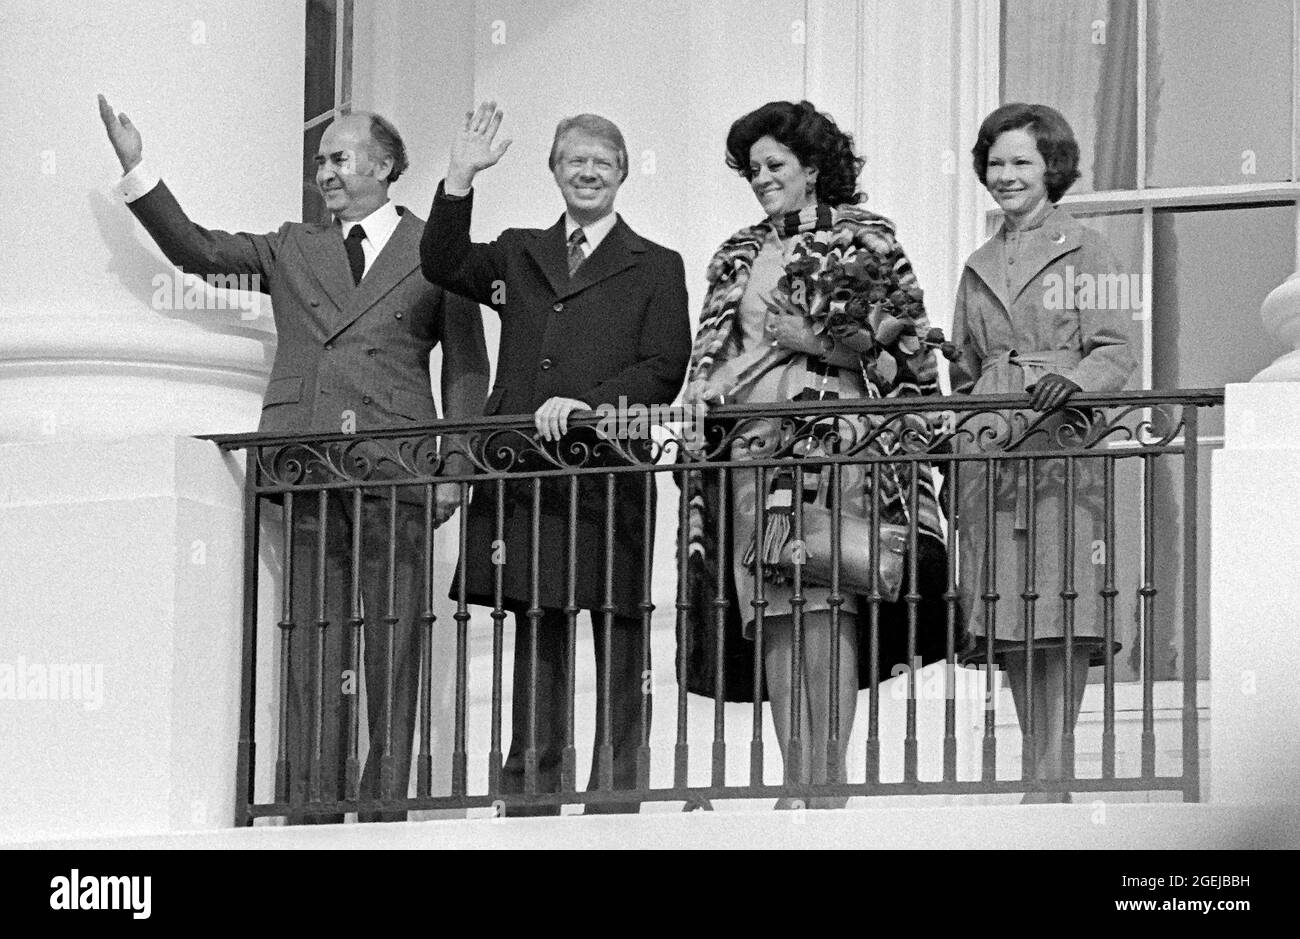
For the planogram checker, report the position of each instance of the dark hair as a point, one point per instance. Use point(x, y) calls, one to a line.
point(813, 137)
point(593, 125)
point(1050, 130)
point(385, 139)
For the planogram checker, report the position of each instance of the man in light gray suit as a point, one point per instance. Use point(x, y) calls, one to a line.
point(356, 323)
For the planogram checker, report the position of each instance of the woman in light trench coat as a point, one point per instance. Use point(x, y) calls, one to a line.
point(1015, 333)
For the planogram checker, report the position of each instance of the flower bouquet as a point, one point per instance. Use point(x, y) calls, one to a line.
point(852, 295)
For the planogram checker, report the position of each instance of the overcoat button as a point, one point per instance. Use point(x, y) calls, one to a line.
point(546, 364)
point(558, 308)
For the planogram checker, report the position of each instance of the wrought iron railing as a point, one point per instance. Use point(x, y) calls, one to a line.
point(346, 501)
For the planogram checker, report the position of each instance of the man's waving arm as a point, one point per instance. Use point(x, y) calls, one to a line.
point(192, 248)
point(447, 256)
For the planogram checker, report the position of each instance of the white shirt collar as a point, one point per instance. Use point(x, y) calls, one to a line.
point(379, 225)
point(595, 232)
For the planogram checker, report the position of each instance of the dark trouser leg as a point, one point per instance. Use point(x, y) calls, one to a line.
point(391, 744)
point(550, 692)
point(300, 718)
point(625, 699)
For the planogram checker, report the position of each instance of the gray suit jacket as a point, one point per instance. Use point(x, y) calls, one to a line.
point(346, 353)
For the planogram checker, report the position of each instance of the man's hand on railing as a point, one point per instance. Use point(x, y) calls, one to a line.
point(552, 418)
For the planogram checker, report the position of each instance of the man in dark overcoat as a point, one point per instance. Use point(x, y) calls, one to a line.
point(592, 314)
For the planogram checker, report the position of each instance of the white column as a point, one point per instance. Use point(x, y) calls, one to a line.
point(1255, 589)
point(120, 537)
point(92, 342)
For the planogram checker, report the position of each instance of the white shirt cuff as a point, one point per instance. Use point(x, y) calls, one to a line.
point(136, 183)
point(458, 193)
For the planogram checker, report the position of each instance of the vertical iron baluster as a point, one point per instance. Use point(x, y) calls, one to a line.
point(834, 765)
point(356, 622)
point(760, 606)
point(873, 647)
point(720, 631)
point(681, 748)
point(794, 758)
point(460, 755)
point(499, 560)
point(386, 764)
point(322, 625)
point(647, 615)
point(912, 598)
point(1148, 594)
point(424, 759)
point(951, 596)
point(989, 766)
point(534, 625)
point(246, 751)
point(1029, 596)
point(1108, 594)
point(1068, 596)
point(606, 660)
point(1191, 494)
point(569, 758)
point(283, 790)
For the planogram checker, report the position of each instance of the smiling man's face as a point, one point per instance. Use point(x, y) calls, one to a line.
point(352, 182)
point(588, 172)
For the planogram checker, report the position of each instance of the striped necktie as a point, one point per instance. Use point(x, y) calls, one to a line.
point(576, 254)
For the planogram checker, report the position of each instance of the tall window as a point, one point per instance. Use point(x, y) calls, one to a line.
point(1185, 112)
point(327, 89)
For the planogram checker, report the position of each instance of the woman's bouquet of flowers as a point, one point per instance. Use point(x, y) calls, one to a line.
point(852, 295)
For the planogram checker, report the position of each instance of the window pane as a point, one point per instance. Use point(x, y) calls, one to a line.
point(1219, 92)
point(318, 94)
point(313, 206)
point(1080, 57)
point(1213, 269)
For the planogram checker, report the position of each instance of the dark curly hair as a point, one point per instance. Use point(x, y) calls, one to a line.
point(1050, 130)
point(813, 137)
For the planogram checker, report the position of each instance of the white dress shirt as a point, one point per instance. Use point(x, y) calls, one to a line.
point(379, 226)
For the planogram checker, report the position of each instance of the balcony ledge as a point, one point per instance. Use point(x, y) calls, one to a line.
point(1087, 825)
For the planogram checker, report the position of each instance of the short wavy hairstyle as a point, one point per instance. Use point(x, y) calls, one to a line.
point(594, 126)
point(812, 136)
point(1050, 130)
point(385, 141)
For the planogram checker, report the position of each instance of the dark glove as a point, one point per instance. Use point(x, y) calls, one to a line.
point(1051, 391)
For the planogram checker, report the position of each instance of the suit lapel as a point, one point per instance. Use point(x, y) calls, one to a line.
point(547, 249)
point(401, 255)
point(327, 260)
point(617, 252)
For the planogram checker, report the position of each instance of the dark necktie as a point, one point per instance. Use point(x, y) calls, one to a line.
point(576, 254)
point(356, 257)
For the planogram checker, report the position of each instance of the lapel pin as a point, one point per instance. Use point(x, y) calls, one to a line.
point(1058, 238)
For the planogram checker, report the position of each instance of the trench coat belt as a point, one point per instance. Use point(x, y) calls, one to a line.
point(1034, 365)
